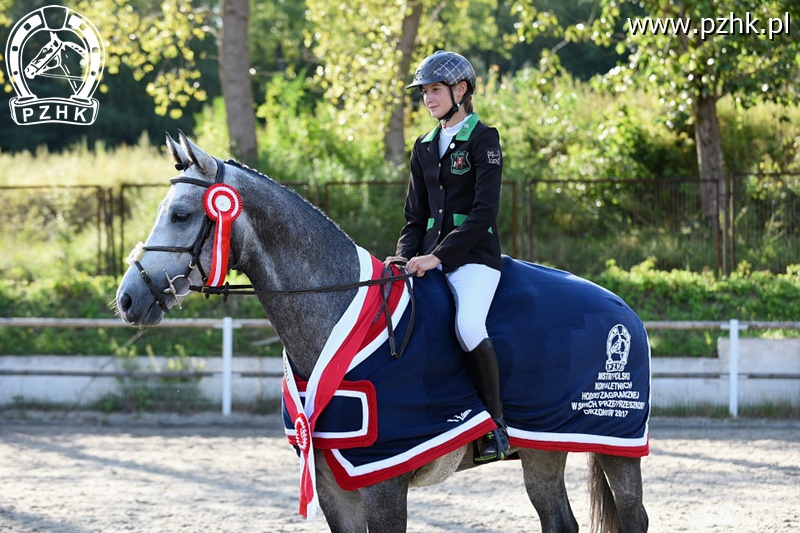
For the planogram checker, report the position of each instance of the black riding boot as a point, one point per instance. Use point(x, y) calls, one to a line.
point(482, 365)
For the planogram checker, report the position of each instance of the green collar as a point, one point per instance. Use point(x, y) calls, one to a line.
point(462, 135)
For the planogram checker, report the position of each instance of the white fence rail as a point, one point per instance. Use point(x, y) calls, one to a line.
point(228, 325)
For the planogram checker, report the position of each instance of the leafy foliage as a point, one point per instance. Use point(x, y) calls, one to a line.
point(78, 295)
point(654, 294)
point(694, 61)
point(692, 296)
point(155, 40)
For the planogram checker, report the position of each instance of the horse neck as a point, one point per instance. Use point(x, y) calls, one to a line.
point(287, 243)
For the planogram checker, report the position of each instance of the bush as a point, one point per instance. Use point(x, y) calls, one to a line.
point(680, 295)
point(82, 296)
point(653, 294)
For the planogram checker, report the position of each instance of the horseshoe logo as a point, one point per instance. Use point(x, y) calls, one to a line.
point(73, 51)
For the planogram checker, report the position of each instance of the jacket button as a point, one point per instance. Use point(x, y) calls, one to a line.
point(440, 211)
point(441, 187)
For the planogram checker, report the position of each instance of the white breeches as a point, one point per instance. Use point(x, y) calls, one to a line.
point(473, 287)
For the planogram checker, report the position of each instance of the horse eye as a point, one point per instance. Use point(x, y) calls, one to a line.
point(180, 217)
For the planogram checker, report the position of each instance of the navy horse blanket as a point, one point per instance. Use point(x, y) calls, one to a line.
point(574, 367)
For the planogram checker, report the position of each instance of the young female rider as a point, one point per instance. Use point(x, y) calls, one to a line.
point(451, 220)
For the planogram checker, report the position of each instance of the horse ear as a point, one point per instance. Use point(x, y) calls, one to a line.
point(178, 156)
point(203, 161)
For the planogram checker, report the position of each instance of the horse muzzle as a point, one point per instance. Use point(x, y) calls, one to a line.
point(140, 302)
point(138, 310)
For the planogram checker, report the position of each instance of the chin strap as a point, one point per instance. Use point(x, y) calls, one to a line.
point(456, 106)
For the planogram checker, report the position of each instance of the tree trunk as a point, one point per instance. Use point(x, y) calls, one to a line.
point(709, 154)
point(234, 75)
point(394, 140)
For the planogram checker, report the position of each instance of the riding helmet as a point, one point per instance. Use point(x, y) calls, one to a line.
point(445, 67)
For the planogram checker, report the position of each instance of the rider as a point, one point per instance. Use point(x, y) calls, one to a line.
point(451, 220)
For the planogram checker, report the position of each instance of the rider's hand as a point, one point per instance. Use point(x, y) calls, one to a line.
point(395, 259)
point(422, 264)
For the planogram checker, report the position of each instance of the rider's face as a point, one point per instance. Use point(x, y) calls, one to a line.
point(437, 98)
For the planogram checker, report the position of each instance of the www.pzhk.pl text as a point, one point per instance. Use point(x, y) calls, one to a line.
point(730, 25)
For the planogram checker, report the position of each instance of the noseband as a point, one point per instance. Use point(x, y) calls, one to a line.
point(193, 250)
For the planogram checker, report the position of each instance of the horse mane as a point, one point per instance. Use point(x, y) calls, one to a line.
point(298, 200)
point(242, 166)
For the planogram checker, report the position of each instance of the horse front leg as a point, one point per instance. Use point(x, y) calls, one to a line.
point(382, 507)
point(386, 504)
point(343, 509)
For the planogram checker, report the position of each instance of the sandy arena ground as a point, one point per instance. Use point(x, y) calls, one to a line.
point(84, 472)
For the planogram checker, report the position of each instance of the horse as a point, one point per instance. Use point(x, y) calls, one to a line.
point(306, 273)
point(51, 56)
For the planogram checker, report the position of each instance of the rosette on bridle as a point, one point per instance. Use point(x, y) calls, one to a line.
point(223, 205)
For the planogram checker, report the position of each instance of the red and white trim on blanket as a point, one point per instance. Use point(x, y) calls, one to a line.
point(355, 333)
point(578, 442)
point(363, 392)
point(351, 477)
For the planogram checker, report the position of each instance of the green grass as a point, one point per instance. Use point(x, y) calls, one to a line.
point(84, 165)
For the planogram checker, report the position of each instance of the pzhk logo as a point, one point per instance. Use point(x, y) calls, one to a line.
point(618, 346)
point(54, 42)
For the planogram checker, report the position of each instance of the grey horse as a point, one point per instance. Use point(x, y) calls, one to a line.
point(282, 242)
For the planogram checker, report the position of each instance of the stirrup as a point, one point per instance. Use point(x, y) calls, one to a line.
point(492, 447)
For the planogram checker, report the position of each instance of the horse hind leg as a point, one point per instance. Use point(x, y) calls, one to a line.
point(544, 482)
point(615, 492)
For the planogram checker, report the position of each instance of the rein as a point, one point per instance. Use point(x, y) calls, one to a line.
point(248, 290)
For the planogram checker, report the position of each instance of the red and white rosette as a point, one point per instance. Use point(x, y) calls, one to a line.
point(223, 204)
point(309, 502)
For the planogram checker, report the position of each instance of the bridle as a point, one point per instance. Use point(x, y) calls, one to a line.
point(193, 250)
point(226, 290)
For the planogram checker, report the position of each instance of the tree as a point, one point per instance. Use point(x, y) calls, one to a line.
point(5, 7)
point(234, 68)
point(155, 40)
point(368, 48)
point(702, 51)
point(394, 141)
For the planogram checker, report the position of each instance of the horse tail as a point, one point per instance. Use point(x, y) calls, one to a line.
point(602, 509)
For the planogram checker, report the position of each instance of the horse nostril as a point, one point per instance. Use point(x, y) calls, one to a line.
point(125, 302)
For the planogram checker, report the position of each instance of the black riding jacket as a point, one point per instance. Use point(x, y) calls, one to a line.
point(452, 202)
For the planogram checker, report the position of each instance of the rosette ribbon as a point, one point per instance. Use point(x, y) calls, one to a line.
point(223, 205)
